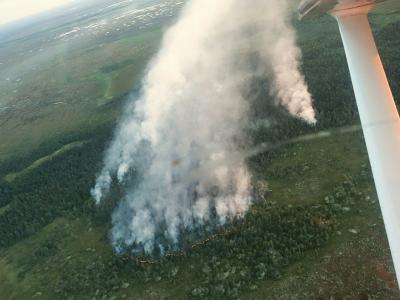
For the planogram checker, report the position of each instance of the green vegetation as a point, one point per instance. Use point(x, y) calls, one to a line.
point(286, 233)
point(80, 86)
point(314, 231)
point(39, 162)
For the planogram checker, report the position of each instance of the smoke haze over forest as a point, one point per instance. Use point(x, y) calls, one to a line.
point(180, 148)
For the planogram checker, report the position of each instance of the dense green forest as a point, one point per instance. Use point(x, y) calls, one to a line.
point(231, 260)
point(235, 258)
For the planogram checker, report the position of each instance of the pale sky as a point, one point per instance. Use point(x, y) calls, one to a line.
point(13, 10)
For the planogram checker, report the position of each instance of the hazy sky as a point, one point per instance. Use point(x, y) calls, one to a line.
point(12, 10)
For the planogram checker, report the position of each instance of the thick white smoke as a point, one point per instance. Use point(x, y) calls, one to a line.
point(181, 147)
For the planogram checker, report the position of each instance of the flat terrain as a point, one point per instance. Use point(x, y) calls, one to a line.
point(72, 73)
point(71, 255)
point(314, 232)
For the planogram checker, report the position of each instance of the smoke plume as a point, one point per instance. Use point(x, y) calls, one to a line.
point(180, 149)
